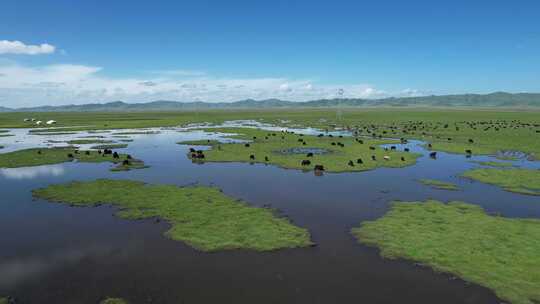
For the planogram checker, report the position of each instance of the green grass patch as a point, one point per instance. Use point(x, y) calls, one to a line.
point(495, 252)
point(524, 181)
point(49, 156)
point(277, 149)
point(51, 133)
point(137, 133)
point(493, 164)
point(203, 217)
point(88, 141)
point(437, 184)
point(6, 135)
point(201, 142)
point(109, 146)
point(3, 300)
point(114, 301)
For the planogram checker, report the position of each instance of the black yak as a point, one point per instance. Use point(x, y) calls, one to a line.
point(252, 157)
point(115, 155)
point(406, 149)
point(351, 163)
point(306, 162)
point(373, 157)
point(310, 154)
point(359, 161)
point(318, 168)
point(433, 154)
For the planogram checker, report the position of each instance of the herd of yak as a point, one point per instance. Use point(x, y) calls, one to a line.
point(408, 129)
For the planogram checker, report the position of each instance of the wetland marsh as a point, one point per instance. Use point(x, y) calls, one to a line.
point(228, 227)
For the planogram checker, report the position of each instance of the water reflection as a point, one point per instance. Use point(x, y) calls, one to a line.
point(32, 172)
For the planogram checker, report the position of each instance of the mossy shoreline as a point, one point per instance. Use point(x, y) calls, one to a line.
point(459, 238)
point(203, 217)
point(522, 181)
point(49, 156)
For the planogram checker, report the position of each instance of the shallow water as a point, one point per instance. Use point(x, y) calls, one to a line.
point(53, 253)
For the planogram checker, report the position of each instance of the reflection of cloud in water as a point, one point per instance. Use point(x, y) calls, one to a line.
point(17, 270)
point(32, 172)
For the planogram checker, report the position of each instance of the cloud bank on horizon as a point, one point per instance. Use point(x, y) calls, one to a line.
point(17, 47)
point(56, 84)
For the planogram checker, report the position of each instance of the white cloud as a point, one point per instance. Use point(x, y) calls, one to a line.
point(23, 86)
point(18, 47)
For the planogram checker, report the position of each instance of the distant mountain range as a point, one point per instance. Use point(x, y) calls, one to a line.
point(498, 99)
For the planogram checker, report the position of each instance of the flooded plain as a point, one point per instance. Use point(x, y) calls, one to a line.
point(54, 253)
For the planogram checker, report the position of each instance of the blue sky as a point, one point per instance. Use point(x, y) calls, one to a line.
point(98, 51)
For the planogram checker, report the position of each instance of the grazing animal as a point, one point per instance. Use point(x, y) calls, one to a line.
point(115, 155)
point(304, 143)
point(266, 158)
point(361, 141)
point(125, 162)
point(351, 163)
point(371, 147)
point(99, 151)
point(252, 157)
point(246, 145)
point(39, 152)
point(359, 161)
point(76, 151)
point(429, 145)
point(402, 158)
point(471, 141)
point(128, 156)
point(310, 154)
point(318, 168)
point(373, 157)
point(468, 151)
point(306, 162)
point(433, 154)
point(333, 143)
point(191, 150)
point(386, 157)
point(87, 152)
point(392, 147)
point(70, 155)
point(406, 149)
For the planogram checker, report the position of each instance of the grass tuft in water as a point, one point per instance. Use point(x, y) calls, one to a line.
point(203, 217)
point(439, 184)
point(459, 238)
point(523, 181)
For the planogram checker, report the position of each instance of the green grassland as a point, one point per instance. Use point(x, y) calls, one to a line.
point(114, 301)
point(3, 300)
point(88, 141)
point(493, 164)
point(439, 184)
point(459, 238)
point(272, 144)
point(203, 217)
point(49, 156)
point(524, 181)
point(490, 130)
point(109, 146)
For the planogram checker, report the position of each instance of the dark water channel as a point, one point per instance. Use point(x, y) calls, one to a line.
point(53, 253)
